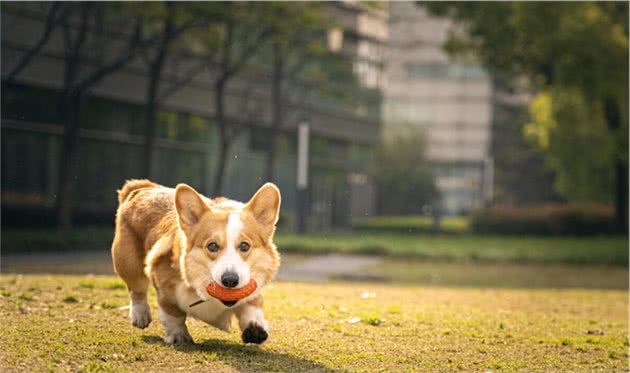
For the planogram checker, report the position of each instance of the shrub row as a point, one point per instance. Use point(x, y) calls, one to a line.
point(409, 224)
point(549, 219)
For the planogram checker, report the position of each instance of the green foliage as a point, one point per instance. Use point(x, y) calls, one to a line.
point(70, 299)
point(563, 122)
point(460, 247)
point(403, 175)
point(465, 247)
point(545, 220)
point(575, 55)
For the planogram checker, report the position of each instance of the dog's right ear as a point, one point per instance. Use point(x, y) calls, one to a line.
point(189, 204)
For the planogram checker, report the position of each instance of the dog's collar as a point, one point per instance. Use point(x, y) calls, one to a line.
point(225, 303)
point(197, 303)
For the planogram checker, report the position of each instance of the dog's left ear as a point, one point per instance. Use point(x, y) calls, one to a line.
point(265, 204)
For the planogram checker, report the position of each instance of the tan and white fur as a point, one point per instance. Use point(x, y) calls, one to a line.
point(179, 241)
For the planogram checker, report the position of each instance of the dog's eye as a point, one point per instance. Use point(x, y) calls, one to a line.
point(244, 246)
point(213, 247)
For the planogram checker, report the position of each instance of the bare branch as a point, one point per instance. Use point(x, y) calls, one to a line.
point(249, 52)
point(51, 22)
point(184, 81)
point(135, 44)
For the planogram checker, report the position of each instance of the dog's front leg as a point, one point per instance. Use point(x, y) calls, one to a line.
point(251, 319)
point(174, 322)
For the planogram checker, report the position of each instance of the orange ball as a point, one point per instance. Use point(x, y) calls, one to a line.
point(225, 294)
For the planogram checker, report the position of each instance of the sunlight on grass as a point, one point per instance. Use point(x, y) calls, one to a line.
point(587, 250)
point(313, 328)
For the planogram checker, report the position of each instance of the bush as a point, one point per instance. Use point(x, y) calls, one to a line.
point(409, 224)
point(551, 219)
point(403, 176)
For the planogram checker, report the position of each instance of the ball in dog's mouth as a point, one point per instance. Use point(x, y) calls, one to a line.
point(230, 297)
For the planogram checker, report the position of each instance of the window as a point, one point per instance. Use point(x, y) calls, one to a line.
point(327, 148)
point(99, 114)
point(30, 104)
point(260, 138)
point(168, 124)
point(445, 71)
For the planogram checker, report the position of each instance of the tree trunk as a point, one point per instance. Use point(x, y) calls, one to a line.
point(221, 166)
point(613, 116)
point(71, 108)
point(72, 113)
point(149, 135)
point(621, 196)
point(276, 99)
point(219, 100)
point(151, 108)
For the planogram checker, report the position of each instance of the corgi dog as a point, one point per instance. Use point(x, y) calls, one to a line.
point(180, 242)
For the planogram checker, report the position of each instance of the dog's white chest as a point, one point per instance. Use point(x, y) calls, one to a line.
point(211, 311)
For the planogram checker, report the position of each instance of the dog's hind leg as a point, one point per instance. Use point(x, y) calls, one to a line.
point(128, 260)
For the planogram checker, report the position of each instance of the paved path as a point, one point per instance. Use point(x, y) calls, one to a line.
point(317, 268)
point(322, 268)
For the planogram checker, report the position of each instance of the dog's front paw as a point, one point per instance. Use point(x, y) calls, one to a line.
point(254, 333)
point(180, 337)
point(140, 314)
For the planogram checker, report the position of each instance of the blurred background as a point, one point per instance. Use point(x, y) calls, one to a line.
point(489, 139)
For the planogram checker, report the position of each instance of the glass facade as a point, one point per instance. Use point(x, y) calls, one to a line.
point(111, 151)
point(442, 71)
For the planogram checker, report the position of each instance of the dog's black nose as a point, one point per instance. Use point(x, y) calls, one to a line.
point(229, 279)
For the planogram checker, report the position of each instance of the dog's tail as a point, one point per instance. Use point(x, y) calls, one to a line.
point(132, 185)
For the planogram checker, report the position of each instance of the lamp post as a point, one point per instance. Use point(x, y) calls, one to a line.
point(302, 175)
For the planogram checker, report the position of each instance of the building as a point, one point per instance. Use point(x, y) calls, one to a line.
point(451, 102)
point(345, 123)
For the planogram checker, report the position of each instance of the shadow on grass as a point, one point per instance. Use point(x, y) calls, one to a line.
point(246, 357)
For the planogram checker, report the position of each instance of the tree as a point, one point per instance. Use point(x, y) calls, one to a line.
point(171, 23)
point(403, 176)
point(296, 39)
point(576, 58)
point(562, 120)
point(76, 22)
point(241, 33)
point(155, 64)
point(76, 85)
point(56, 13)
point(520, 173)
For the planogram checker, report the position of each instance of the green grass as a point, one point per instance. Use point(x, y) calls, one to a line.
point(583, 250)
point(410, 223)
point(318, 327)
point(458, 247)
point(504, 275)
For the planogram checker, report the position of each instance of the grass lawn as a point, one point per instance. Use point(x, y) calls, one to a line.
point(464, 247)
point(503, 275)
point(458, 247)
point(74, 323)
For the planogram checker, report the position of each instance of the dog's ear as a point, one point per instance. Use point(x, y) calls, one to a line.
point(189, 204)
point(265, 204)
